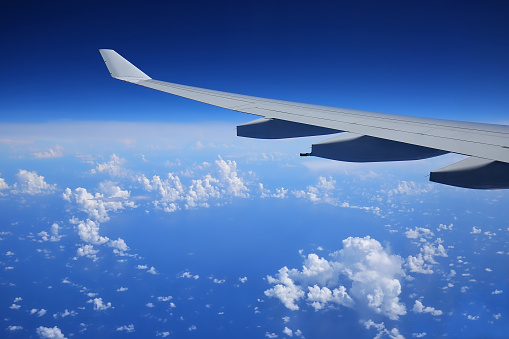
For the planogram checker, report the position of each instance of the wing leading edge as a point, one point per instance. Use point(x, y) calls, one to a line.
point(372, 136)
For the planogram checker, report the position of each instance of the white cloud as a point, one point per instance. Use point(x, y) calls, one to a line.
point(122, 289)
point(152, 270)
point(15, 307)
point(243, 279)
point(475, 230)
point(420, 308)
point(497, 292)
point(87, 251)
point(150, 305)
point(163, 334)
point(114, 167)
point(382, 330)
point(168, 298)
point(14, 328)
point(271, 335)
point(410, 188)
point(99, 305)
point(288, 332)
point(48, 332)
point(32, 183)
point(99, 205)
point(119, 244)
point(419, 335)
point(3, 184)
point(51, 153)
point(372, 272)
point(189, 275)
point(129, 328)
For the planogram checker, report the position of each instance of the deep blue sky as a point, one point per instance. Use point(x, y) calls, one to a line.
point(431, 58)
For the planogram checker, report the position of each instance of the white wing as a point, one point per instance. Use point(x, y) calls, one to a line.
point(372, 136)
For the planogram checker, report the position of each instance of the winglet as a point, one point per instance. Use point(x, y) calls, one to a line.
point(120, 68)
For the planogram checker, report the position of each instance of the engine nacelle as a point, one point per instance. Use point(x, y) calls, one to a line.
point(474, 172)
point(279, 129)
point(362, 148)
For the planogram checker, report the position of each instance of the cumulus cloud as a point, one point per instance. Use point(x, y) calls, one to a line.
point(3, 184)
point(174, 195)
point(324, 192)
point(188, 275)
point(122, 289)
point(126, 328)
point(362, 273)
point(410, 188)
point(54, 236)
point(420, 308)
point(51, 153)
point(424, 261)
point(87, 251)
point(382, 330)
point(32, 183)
point(99, 205)
point(99, 305)
point(14, 328)
point(50, 332)
point(114, 167)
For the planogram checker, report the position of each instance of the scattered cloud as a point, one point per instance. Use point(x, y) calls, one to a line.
point(372, 273)
point(51, 153)
point(420, 308)
point(99, 305)
point(31, 183)
point(14, 328)
point(126, 328)
point(50, 332)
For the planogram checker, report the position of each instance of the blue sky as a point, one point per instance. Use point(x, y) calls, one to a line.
point(130, 212)
point(428, 58)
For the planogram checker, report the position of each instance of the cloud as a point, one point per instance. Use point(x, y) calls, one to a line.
point(410, 188)
point(87, 251)
point(99, 305)
point(48, 332)
point(188, 275)
point(129, 328)
point(288, 332)
point(382, 330)
point(31, 183)
point(14, 328)
point(243, 279)
point(3, 184)
point(99, 205)
point(54, 234)
point(122, 289)
point(372, 274)
point(15, 307)
point(168, 298)
point(50, 153)
point(271, 335)
point(424, 261)
point(174, 195)
point(420, 308)
point(114, 167)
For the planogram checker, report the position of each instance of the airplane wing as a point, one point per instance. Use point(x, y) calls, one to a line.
point(370, 136)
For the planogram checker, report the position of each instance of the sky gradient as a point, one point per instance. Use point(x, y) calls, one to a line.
point(427, 58)
point(127, 212)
